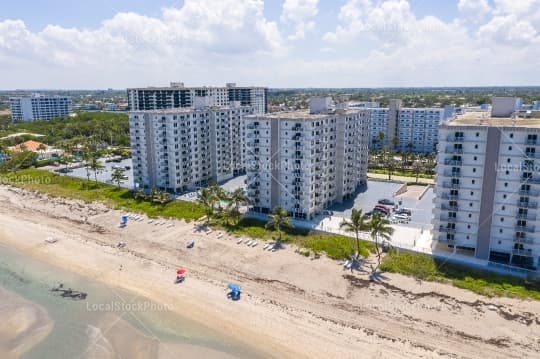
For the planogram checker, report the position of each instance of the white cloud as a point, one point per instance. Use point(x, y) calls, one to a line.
point(299, 13)
point(474, 10)
point(373, 43)
point(514, 23)
point(389, 20)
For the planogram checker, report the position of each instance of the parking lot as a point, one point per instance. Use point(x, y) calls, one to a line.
point(367, 198)
point(105, 174)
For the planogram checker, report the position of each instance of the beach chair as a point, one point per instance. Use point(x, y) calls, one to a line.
point(240, 241)
point(254, 244)
point(266, 246)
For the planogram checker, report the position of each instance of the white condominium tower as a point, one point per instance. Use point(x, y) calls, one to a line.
point(416, 129)
point(181, 149)
point(488, 186)
point(177, 95)
point(39, 107)
point(305, 161)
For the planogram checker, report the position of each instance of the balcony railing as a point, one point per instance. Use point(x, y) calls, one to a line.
point(518, 239)
point(534, 180)
point(529, 192)
point(448, 219)
point(522, 252)
point(452, 150)
point(452, 173)
point(447, 230)
point(532, 154)
point(451, 162)
point(450, 185)
point(532, 141)
point(449, 196)
point(529, 216)
point(455, 138)
point(529, 229)
point(527, 204)
point(448, 207)
point(443, 239)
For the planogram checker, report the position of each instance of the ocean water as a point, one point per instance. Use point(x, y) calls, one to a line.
point(75, 320)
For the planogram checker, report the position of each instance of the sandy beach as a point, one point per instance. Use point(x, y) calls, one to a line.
point(23, 325)
point(292, 306)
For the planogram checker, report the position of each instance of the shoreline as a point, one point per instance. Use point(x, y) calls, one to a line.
point(292, 307)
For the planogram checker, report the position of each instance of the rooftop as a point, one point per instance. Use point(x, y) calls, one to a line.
point(304, 114)
point(166, 111)
point(485, 119)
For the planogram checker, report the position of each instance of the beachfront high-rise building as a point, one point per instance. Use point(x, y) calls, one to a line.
point(306, 160)
point(39, 107)
point(178, 95)
point(415, 129)
point(488, 187)
point(184, 148)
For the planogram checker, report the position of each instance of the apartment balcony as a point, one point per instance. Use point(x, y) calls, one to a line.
point(528, 216)
point(448, 219)
point(443, 239)
point(529, 229)
point(529, 192)
point(443, 229)
point(532, 154)
point(454, 174)
point(252, 126)
point(451, 162)
point(522, 252)
point(532, 141)
point(450, 185)
point(450, 196)
point(527, 204)
point(518, 239)
point(533, 180)
point(454, 151)
point(455, 139)
point(448, 207)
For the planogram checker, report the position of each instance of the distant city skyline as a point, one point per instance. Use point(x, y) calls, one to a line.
point(283, 43)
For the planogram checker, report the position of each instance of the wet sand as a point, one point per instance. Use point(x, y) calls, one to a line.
point(292, 307)
point(22, 325)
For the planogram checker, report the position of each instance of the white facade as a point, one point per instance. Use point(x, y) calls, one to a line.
point(305, 162)
point(418, 129)
point(181, 149)
point(176, 96)
point(38, 107)
point(487, 188)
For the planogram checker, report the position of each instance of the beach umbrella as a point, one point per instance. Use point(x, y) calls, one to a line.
point(180, 271)
point(234, 287)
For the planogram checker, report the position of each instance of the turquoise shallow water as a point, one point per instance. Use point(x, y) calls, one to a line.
point(33, 280)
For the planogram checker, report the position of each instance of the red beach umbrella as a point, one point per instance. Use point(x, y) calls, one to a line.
point(180, 271)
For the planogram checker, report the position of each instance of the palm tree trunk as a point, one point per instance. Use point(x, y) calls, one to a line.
point(357, 246)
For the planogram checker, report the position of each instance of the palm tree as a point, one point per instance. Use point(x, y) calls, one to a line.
point(380, 137)
point(279, 219)
point(207, 199)
point(230, 212)
point(356, 224)
point(95, 165)
point(238, 197)
point(117, 176)
point(219, 195)
point(380, 229)
point(417, 167)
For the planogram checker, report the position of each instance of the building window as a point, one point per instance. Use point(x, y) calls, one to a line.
point(504, 196)
point(472, 193)
point(505, 185)
point(511, 135)
point(473, 181)
point(476, 147)
point(468, 226)
point(509, 148)
point(470, 204)
point(475, 158)
point(500, 231)
point(502, 219)
point(477, 134)
point(474, 170)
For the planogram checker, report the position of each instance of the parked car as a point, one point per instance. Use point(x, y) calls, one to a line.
point(386, 202)
point(402, 210)
point(384, 208)
point(379, 211)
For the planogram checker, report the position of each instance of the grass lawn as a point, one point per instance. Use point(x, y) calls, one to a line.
point(398, 172)
point(77, 188)
point(334, 245)
point(479, 281)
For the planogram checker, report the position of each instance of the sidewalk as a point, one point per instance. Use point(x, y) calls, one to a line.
point(380, 176)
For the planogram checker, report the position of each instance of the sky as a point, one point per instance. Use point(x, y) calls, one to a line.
point(66, 44)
